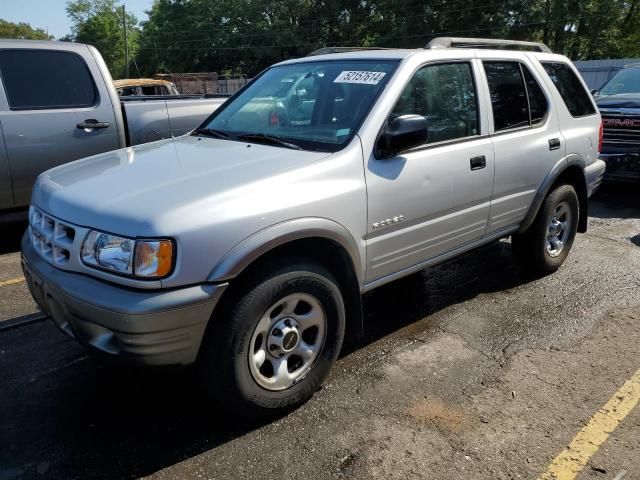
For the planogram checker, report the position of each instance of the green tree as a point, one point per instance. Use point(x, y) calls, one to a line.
point(249, 35)
point(22, 31)
point(99, 23)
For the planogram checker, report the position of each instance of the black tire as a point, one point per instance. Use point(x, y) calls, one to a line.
point(224, 359)
point(530, 248)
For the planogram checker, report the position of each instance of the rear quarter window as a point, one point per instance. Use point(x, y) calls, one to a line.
point(46, 79)
point(573, 93)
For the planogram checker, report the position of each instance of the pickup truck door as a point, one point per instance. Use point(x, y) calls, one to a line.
point(59, 110)
point(6, 190)
point(434, 198)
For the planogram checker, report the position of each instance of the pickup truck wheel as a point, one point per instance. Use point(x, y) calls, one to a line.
point(281, 335)
point(545, 246)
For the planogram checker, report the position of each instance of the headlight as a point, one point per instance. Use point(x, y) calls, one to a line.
point(125, 256)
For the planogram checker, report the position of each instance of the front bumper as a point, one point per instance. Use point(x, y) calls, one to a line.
point(622, 167)
point(593, 175)
point(161, 327)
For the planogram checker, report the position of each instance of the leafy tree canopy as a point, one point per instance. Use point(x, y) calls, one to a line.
point(99, 23)
point(22, 31)
point(248, 35)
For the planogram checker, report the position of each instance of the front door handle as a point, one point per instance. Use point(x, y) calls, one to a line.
point(478, 163)
point(554, 144)
point(92, 123)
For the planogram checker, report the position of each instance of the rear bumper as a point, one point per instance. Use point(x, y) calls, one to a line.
point(622, 167)
point(594, 174)
point(163, 327)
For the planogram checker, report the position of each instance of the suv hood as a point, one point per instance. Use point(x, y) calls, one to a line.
point(625, 100)
point(131, 191)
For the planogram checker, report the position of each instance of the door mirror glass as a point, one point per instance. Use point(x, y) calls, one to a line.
point(400, 134)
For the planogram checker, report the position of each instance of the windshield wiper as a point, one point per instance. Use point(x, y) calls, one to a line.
point(212, 132)
point(268, 139)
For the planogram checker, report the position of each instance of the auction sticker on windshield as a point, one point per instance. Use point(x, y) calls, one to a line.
point(367, 78)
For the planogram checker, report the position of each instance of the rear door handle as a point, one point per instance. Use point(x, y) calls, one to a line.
point(554, 144)
point(478, 163)
point(92, 123)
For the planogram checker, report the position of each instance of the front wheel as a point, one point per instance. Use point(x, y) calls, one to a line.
point(545, 246)
point(281, 334)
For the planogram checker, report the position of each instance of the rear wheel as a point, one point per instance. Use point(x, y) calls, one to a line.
point(545, 246)
point(281, 334)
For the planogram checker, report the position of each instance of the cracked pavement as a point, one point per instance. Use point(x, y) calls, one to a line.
point(468, 370)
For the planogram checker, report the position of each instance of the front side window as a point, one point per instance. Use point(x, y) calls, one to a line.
point(508, 95)
point(445, 95)
point(128, 91)
point(573, 93)
point(46, 79)
point(311, 105)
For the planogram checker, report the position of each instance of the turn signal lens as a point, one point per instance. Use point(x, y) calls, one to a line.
point(154, 258)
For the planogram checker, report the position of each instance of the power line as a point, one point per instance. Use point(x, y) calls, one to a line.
point(320, 29)
point(313, 23)
point(307, 32)
point(397, 37)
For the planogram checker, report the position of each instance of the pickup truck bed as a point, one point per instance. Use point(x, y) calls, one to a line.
point(156, 117)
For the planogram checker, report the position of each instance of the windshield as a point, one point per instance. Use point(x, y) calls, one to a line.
point(625, 81)
point(311, 105)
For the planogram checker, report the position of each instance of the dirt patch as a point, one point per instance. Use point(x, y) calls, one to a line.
point(437, 413)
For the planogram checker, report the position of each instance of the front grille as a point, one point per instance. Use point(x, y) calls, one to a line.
point(52, 238)
point(621, 130)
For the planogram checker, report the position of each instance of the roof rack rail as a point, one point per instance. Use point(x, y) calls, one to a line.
point(460, 42)
point(328, 50)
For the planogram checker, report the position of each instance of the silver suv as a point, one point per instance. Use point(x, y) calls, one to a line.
point(245, 245)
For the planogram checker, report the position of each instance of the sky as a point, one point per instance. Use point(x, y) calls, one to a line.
point(51, 15)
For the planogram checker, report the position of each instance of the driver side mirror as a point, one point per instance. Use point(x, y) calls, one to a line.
point(595, 92)
point(400, 134)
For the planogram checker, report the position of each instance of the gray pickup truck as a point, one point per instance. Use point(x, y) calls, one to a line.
point(58, 103)
point(245, 246)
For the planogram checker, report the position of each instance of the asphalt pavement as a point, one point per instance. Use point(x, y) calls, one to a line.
point(469, 370)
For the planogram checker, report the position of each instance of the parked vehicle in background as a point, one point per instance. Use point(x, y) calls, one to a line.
point(58, 103)
point(246, 246)
point(131, 87)
point(619, 104)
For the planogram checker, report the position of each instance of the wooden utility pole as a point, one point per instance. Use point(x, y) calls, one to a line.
point(126, 43)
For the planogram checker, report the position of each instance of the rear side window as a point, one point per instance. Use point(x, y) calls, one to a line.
point(444, 94)
point(573, 93)
point(153, 90)
point(516, 97)
point(508, 95)
point(46, 79)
